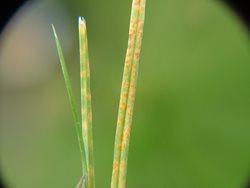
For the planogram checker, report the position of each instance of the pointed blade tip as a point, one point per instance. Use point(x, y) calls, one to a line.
point(81, 19)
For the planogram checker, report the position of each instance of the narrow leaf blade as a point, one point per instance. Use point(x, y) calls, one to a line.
point(86, 108)
point(72, 100)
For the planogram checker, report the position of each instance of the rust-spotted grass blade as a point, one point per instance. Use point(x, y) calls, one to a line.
point(127, 98)
point(86, 108)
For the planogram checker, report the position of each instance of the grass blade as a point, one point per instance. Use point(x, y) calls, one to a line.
point(131, 98)
point(76, 116)
point(124, 94)
point(86, 108)
point(82, 182)
point(127, 97)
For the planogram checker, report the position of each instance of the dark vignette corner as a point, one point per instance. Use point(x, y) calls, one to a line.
point(7, 9)
point(242, 9)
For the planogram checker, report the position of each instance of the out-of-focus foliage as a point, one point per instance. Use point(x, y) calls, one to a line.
point(192, 113)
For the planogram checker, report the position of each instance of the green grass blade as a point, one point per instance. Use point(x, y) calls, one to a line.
point(131, 97)
point(76, 116)
point(124, 93)
point(86, 108)
point(128, 92)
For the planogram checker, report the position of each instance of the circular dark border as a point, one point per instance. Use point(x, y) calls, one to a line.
point(241, 8)
point(8, 10)
point(11, 6)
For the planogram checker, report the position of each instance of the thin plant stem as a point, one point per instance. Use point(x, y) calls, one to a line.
point(128, 94)
point(86, 108)
point(82, 182)
point(76, 116)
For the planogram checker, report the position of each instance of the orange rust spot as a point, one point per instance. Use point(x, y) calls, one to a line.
point(132, 95)
point(128, 60)
point(125, 95)
point(131, 35)
point(123, 105)
point(142, 9)
point(137, 55)
point(127, 134)
point(122, 146)
point(89, 97)
point(130, 45)
point(122, 164)
point(134, 77)
point(130, 111)
point(115, 165)
point(126, 83)
point(137, 2)
point(83, 73)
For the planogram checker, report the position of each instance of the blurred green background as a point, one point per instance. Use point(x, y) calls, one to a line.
point(192, 116)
